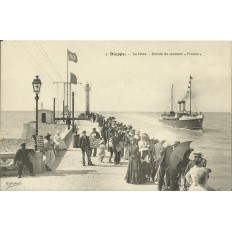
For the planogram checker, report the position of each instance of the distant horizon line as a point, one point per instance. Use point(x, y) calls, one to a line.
point(112, 111)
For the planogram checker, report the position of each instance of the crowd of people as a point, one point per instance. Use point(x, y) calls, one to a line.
point(149, 158)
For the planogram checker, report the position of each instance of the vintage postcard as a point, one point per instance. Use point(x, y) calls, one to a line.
point(115, 115)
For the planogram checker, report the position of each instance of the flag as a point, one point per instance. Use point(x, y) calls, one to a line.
point(72, 56)
point(73, 79)
point(191, 78)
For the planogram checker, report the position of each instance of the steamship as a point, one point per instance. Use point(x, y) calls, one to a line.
point(183, 118)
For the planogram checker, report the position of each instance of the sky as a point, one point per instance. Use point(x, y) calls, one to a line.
point(118, 83)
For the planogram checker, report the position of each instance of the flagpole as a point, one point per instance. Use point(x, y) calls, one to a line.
point(70, 94)
point(67, 78)
point(64, 92)
point(190, 93)
point(0, 77)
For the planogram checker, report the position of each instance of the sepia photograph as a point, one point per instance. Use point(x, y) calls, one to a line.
point(115, 115)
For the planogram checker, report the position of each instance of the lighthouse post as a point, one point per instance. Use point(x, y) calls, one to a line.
point(87, 90)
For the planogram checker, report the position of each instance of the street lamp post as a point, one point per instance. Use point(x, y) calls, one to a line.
point(36, 87)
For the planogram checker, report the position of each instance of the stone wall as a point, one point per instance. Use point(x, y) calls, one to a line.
point(8, 148)
point(43, 128)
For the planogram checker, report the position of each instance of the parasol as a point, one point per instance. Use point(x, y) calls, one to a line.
point(101, 142)
point(178, 153)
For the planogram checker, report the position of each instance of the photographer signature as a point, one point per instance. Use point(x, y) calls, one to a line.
point(12, 184)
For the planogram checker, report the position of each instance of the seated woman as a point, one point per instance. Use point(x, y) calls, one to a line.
point(60, 145)
point(134, 173)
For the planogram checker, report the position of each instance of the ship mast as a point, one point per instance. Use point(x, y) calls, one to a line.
point(0, 76)
point(190, 93)
point(172, 98)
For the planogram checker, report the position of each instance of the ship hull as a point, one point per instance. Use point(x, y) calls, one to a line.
point(192, 124)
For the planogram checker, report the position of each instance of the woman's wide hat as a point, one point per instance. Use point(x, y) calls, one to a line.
point(47, 136)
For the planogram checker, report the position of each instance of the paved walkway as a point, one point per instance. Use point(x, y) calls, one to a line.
point(69, 174)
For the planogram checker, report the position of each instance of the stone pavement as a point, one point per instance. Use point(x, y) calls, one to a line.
point(69, 174)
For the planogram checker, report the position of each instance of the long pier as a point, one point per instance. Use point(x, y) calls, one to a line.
point(69, 174)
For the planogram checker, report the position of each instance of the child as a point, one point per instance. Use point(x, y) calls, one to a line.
point(110, 148)
point(101, 151)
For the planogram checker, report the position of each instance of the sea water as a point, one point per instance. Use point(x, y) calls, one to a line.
point(214, 141)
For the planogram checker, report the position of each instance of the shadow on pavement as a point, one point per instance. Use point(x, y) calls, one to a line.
point(68, 172)
point(146, 183)
point(110, 165)
point(56, 173)
point(149, 183)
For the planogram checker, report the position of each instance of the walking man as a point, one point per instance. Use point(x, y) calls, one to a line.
point(85, 148)
point(117, 148)
point(68, 121)
point(21, 159)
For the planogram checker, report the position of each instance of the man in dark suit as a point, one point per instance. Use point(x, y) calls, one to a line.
point(68, 121)
point(117, 147)
point(104, 130)
point(85, 148)
point(21, 159)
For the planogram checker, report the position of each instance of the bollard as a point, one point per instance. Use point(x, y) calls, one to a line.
point(38, 164)
point(75, 140)
point(78, 140)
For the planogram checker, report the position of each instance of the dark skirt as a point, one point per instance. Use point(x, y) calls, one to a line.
point(134, 173)
point(146, 168)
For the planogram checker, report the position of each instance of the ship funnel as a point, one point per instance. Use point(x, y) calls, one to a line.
point(181, 106)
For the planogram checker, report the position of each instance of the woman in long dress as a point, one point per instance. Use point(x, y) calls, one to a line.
point(49, 146)
point(126, 145)
point(60, 145)
point(134, 173)
point(144, 150)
